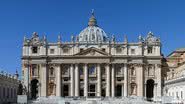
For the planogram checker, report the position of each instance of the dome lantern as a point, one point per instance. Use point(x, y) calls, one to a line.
point(93, 33)
point(92, 20)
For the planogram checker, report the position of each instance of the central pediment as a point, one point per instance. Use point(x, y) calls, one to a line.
point(92, 52)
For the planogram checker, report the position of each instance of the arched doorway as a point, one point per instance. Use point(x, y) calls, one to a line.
point(34, 88)
point(150, 89)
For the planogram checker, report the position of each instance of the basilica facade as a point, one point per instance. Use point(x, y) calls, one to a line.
point(92, 64)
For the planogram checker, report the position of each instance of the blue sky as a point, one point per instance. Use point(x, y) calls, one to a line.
point(165, 18)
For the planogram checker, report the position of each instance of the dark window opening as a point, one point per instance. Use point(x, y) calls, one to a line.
point(34, 49)
point(150, 49)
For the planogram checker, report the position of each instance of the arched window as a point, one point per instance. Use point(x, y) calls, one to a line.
point(93, 37)
point(86, 38)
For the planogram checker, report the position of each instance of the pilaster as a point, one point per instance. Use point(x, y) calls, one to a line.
point(99, 80)
point(77, 80)
point(125, 80)
point(58, 84)
point(86, 80)
point(108, 93)
point(44, 80)
point(113, 81)
point(72, 79)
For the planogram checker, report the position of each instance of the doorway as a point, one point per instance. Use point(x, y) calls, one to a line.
point(34, 88)
point(150, 89)
point(118, 90)
point(66, 90)
point(92, 90)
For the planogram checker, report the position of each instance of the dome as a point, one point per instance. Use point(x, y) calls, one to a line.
point(93, 33)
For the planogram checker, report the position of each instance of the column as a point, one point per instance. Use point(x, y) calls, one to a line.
point(125, 80)
point(113, 81)
point(77, 80)
point(72, 80)
point(26, 76)
point(140, 83)
point(58, 84)
point(158, 76)
point(99, 80)
point(108, 81)
point(44, 80)
point(86, 80)
point(155, 90)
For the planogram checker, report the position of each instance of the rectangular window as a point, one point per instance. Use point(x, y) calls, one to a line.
point(66, 50)
point(52, 51)
point(118, 50)
point(132, 51)
point(34, 50)
point(150, 48)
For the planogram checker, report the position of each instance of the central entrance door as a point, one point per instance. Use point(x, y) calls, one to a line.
point(92, 90)
point(118, 90)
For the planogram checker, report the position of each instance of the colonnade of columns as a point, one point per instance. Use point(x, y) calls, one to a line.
point(75, 80)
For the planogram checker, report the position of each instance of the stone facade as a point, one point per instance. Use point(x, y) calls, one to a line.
point(8, 87)
point(92, 64)
point(175, 80)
